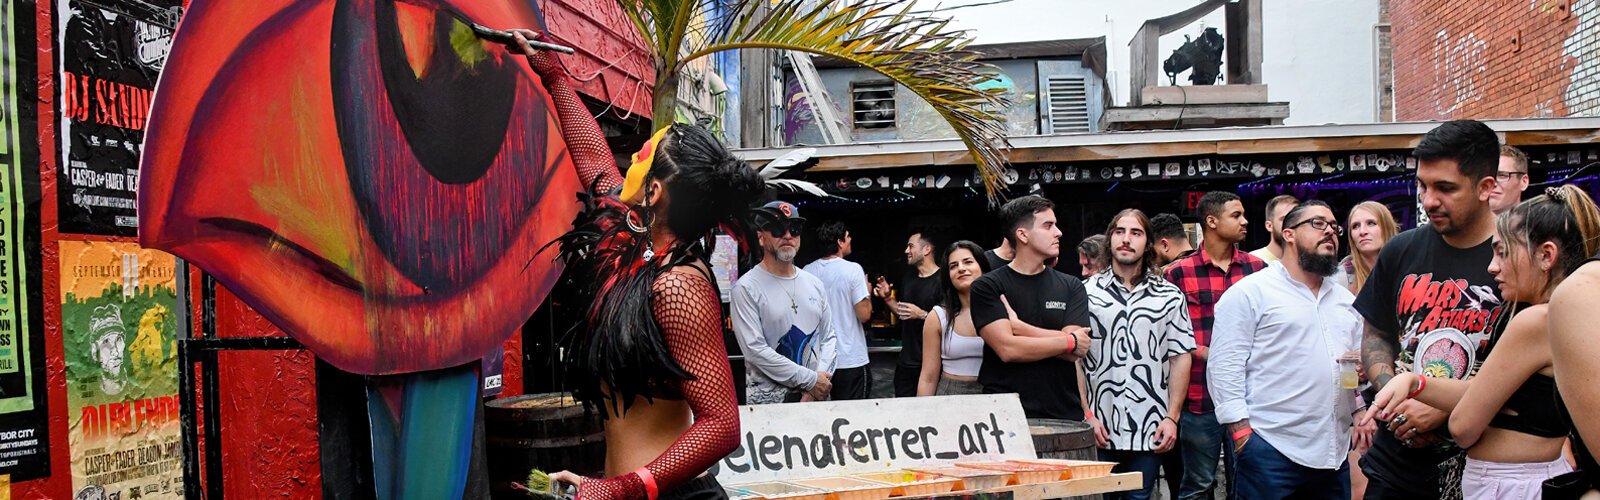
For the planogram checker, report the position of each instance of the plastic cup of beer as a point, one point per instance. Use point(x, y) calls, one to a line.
point(1348, 378)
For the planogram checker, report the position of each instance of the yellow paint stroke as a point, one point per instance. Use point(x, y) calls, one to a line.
point(299, 192)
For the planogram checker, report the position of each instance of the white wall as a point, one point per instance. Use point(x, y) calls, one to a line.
point(1318, 53)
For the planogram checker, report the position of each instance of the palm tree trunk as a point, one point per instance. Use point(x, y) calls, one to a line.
point(664, 110)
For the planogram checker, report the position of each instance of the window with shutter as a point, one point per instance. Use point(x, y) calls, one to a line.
point(872, 105)
point(1068, 101)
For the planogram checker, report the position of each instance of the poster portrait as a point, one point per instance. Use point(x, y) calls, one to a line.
point(119, 339)
point(110, 56)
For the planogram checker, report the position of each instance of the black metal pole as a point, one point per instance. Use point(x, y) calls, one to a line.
point(209, 386)
point(186, 389)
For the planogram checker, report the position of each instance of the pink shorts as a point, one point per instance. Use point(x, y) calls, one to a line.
point(1494, 480)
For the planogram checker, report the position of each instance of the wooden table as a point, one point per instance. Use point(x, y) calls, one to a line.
point(1126, 481)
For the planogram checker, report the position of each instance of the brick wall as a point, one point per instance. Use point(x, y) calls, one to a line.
point(1505, 59)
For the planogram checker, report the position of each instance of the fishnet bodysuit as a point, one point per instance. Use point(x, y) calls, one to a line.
point(689, 312)
point(584, 140)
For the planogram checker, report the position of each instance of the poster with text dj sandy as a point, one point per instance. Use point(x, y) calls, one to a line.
point(119, 334)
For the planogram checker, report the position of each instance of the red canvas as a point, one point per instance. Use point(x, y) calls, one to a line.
point(364, 173)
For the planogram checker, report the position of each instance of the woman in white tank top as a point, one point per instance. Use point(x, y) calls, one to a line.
point(952, 351)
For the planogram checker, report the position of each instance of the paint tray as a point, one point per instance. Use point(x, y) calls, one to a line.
point(912, 483)
point(972, 479)
point(848, 488)
point(780, 490)
point(1079, 469)
point(1026, 473)
point(739, 494)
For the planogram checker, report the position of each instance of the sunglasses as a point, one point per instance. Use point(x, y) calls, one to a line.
point(781, 228)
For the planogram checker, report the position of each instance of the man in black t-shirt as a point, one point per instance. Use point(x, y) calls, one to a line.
point(919, 291)
point(1033, 319)
point(1431, 305)
point(999, 256)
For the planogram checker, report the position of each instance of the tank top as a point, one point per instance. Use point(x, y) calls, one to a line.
point(959, 354)
point(1537, 412)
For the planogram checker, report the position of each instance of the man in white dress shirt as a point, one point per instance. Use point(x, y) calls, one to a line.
point(1274, 368)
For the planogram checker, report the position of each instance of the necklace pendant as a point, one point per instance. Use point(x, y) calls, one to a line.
point(649, 254)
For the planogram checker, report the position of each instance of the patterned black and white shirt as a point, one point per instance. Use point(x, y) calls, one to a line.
point(1135, 333)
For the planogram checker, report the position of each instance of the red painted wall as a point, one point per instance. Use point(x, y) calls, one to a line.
point(270, 446)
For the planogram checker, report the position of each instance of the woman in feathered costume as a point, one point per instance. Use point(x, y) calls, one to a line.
point(650, 351)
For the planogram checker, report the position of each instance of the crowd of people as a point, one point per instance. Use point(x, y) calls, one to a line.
point(1421, 365)
point(1441, 362)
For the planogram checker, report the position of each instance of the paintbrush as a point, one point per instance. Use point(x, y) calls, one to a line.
point(504, 37)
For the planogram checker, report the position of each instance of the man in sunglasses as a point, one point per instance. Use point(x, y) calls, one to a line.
point(780, 316)
point(1510, 180)
point(1277, 345)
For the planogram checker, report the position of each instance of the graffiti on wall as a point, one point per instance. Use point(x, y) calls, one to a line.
point(119, 338)
point(1458, 67)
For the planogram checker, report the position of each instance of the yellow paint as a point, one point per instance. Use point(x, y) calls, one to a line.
point(466, 44)
point(300, 193)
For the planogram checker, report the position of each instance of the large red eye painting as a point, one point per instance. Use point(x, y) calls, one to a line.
point(365, 173)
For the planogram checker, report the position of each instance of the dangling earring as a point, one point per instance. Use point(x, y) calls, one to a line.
point(638, 224)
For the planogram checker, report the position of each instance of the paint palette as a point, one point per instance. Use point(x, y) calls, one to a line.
point(913, 483)
point(972, 479)
point(780, 490)
point(849, 488)
point(1077, 469)
point(1026, 473)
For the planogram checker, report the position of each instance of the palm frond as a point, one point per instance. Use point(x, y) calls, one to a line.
point(919, 52)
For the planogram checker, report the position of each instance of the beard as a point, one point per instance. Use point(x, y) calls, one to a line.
point(1277, 238)
point(1315, 263)
point(785, 255)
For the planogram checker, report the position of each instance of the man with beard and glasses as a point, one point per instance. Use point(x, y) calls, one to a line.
point(1431, 306)
point(1138, 368)
point(780, 317)
point(1276, 208)
point(1279, 338)
point(919, 291)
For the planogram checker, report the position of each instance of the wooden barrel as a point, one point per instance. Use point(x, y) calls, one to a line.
point(1063, 439)
point(549, 432)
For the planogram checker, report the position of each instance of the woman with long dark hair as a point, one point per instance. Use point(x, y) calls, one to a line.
point(649, 351)
point(1507, 416)
point(952, 351)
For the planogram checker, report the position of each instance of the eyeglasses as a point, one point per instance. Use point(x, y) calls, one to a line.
point(1321, 225)
point(782, 228)
point(1507, 176)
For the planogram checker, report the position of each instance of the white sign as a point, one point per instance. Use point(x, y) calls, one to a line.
point(831, 438)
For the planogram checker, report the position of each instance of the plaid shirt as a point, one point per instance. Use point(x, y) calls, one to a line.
point(1203, 283)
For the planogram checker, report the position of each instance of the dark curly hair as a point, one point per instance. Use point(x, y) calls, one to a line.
point(617, 342)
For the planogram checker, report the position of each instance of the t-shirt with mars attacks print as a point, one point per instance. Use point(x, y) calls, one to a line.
point(1445, 307)
point(1441, 300)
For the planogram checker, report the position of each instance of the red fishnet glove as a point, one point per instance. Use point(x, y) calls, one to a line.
point(689, 312)
point(584, 140)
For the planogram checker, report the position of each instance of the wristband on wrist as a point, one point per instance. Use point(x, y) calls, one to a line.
point(1074, 339)
point(1174, 420)
point(649, 480)
point(1421, 383)
point(1242, 433)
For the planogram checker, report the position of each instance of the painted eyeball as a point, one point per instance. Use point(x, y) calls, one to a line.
point(366, 174)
